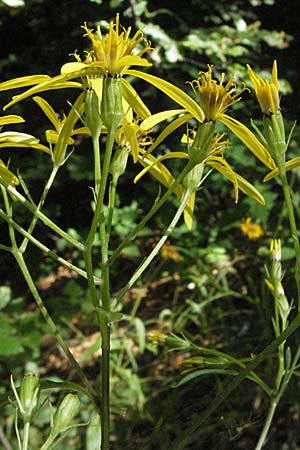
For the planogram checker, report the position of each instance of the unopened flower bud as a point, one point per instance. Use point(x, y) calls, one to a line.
point(275, 249)
point(111, 105)
point(119, 162)
point(92, 112)
point(29, 395)
point(65, 412)
point(275, 136)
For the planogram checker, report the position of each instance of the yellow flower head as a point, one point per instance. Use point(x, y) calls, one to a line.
point(216, 97)
point(116, 51)
point(266, 92)
point(252, 230)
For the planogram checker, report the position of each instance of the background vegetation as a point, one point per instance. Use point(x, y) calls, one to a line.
point(209, 287)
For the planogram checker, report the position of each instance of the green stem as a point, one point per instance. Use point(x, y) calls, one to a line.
point(103, 312)
point(284, 381)
point(97, 161)
point(32, 225)
point(143, 266)
point(26, 436)
point(267, 424)
point(42, 247)
point(187, 435)
point(293, 226)
point(26, 274)
point(157, 205)
point(33, 208)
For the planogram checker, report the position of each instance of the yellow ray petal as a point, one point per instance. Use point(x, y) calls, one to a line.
point(157, 118)
point(289, 165)
point(8, 175)
point(249, 139)
point(11, 118)
point(134, 100)
point(14, 136)
point(23, 81)
point(243, 184)
point(41, 147)
point(72, 67)
point(172, 91)
point(57, 82)
point(48, 111)
point(169, 130)
point(52, 137)
point(67, 129)
point(189, 211)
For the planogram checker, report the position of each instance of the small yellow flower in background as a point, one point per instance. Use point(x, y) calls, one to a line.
point(266, 92)
point(252, 230)
point(157, 337)
point(169, 251)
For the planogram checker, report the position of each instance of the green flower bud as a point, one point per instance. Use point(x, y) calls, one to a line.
point(65, 412)
point(111, 105)
point(275, 136)
point(92, 112)
point(119, 162)
point(29, 396)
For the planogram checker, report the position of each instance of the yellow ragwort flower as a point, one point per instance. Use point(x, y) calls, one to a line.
point(114, 52)
point(216, 97)
point(267, 92)
point(252, 230)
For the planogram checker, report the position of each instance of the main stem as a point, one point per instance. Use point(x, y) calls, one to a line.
point(293, 226)
point(103, 311)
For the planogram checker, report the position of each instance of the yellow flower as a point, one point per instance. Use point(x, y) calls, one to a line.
point(216, 97)
point(266, 92)
point(252, 230)
point(214, 159)
point(169, 251)
point(214, 100)
point(117, 51)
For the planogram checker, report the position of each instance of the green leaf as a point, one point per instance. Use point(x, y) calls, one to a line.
point(201, 372)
